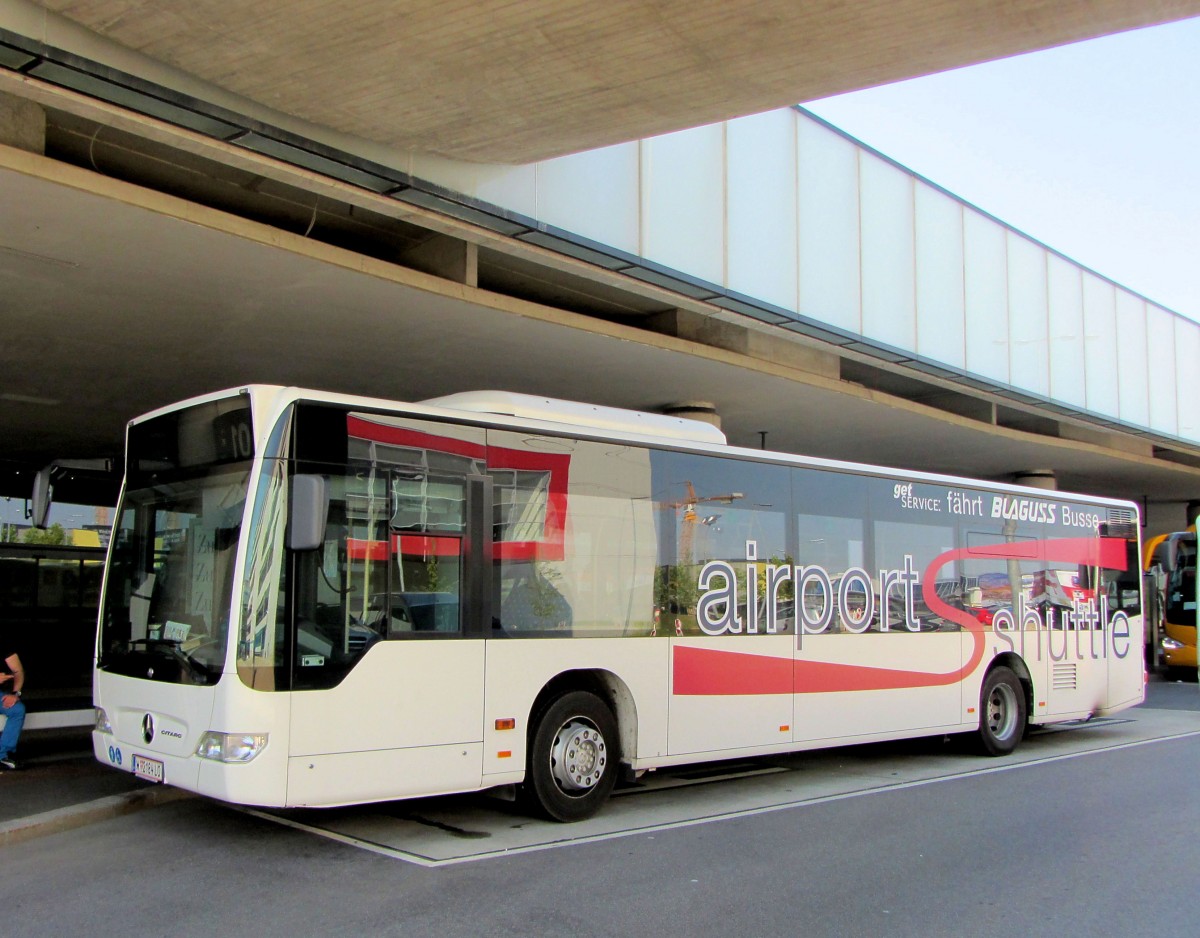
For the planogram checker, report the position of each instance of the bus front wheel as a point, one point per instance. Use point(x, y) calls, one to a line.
point(573, 757)
point(1002, 713)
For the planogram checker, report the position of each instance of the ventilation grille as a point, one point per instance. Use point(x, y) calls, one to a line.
point(1122, 522)
point(1064, 677)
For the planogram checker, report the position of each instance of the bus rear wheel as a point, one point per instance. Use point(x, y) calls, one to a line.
point(573, 757)
point(1002, 712)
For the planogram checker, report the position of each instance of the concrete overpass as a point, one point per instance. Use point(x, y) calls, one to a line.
point(228, 195)
point(517, 82)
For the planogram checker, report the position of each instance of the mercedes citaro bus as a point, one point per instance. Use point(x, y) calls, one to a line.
point(314, 599)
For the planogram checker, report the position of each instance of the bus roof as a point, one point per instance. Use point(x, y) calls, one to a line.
point(512, 409)
point(578, 414)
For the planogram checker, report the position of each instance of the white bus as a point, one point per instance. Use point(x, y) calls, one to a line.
point(316, 600)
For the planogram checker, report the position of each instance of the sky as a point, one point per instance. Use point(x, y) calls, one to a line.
point(1092, 149)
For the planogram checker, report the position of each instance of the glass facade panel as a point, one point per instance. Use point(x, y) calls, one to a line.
point(1028, 318)
point(761, 207)
point(1161, 340)
point(683, 189)
point(985, 285)
point(1067, 372)
point(888, 253)
point(1133, 367)
point(941, 313)
point(1101, 358)
point(1187, 379)
point(827, 196)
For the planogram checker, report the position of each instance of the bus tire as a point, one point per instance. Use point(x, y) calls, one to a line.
point(574, 754)
point(1002, 715)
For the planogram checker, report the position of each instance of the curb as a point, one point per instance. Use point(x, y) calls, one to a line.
point(81, 815)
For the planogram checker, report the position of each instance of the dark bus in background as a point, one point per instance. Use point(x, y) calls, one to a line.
point(49, 596)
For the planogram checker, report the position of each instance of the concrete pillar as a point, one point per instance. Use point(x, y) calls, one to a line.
point(1037, 479)
point(22, 124)
point(447, 257)
point(695, 410)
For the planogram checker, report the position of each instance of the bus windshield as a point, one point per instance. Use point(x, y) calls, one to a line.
point(167, 602)
point(1181, 584)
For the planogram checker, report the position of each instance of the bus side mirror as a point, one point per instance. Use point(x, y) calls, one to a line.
point(308, 512)
point(43, 492)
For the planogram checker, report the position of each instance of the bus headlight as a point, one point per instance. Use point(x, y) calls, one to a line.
point(1171, 645)
point(102, 725)
point(231, 747)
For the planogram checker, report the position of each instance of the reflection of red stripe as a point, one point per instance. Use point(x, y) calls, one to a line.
point(419, 545)
point(550, 546)
point(414, 439)
point(359, 549)
point(410, 545)
point(1106, 552)
point(708, 671)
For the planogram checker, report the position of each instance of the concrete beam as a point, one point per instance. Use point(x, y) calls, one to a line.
point(445, 257)
point(694, 327)
point(519, 81)
point(1118, 441)
point(22, 124)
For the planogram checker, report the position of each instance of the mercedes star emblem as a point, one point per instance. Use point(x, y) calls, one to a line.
point(147, 728)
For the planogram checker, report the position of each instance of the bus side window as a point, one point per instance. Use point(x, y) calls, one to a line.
point(529, 600)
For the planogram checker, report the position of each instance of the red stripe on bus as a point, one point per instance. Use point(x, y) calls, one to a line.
point(713, 672)
point(700, 671)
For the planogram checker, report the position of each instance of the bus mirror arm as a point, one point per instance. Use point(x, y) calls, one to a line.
point(308, 512)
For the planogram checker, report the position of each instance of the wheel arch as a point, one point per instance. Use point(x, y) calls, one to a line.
point(604, 684)
point(1016, 664)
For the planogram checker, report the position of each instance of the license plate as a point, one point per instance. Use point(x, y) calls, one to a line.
point(149, 769)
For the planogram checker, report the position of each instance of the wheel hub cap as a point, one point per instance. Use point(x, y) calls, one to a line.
point(1000, 711)
point(578, 757)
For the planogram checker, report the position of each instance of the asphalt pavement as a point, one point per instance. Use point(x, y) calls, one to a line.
point(60, 786)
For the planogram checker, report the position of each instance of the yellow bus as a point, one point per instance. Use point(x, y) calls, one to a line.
point(1171, 561)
